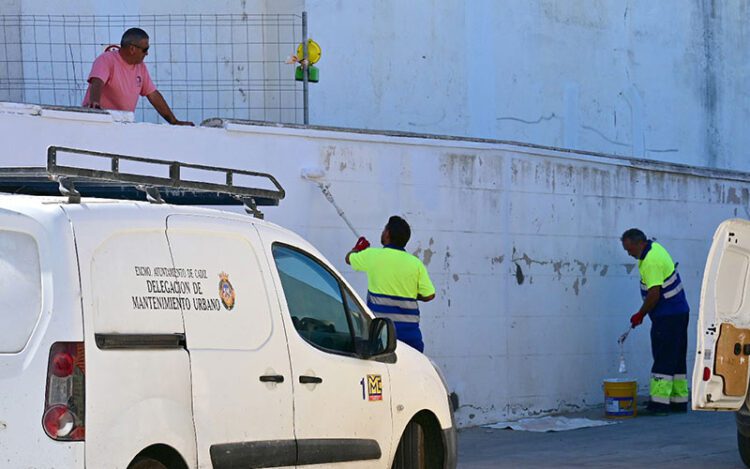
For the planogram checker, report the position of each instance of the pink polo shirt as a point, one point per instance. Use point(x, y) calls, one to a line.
point(123, 82)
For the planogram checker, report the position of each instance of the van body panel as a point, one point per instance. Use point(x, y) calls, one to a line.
point(236, 341)
point(20, 288)
point(143, 400)
point(415, 384)
point(134, 397)
point(132, 285)
point(722, 357)
point(345, 381)
point(23, 374)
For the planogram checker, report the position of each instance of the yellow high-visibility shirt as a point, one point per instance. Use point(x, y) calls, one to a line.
point(392, 271)
point(655, 266)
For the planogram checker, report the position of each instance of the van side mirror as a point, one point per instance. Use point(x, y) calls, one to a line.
point(382, 338)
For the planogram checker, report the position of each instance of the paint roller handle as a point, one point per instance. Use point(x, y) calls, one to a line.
point(361, 245)
point(624, 336)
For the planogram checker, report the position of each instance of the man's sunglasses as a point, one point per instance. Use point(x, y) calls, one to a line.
point(143, 49)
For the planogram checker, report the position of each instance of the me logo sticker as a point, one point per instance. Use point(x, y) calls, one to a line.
point(374, 388)
point(226, 291)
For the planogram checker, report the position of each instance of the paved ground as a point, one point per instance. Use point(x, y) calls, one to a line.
point(692, 440)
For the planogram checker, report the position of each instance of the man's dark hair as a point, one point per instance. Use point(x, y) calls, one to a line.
point(634, 235)
point(131, 36)
point(399, 231)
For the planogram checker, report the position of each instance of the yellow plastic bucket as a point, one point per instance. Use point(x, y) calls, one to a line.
point(620, 398)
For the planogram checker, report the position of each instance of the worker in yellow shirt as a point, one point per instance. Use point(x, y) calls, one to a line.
point(665, 303)
point(396, 280)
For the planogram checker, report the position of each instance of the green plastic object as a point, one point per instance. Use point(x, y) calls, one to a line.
point(313, 74)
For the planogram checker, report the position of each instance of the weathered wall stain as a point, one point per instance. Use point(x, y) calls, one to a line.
point(425, 254)
point(557, 267)
point(519, 274)
point(497, 260)
point(459, 167)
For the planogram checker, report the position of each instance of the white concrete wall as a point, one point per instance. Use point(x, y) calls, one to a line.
point(664, 80)
point(533, 287)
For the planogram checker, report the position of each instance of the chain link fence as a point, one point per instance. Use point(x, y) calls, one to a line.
point(223, 65)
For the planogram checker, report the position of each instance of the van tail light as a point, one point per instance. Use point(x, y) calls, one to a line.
point(706, 373)
point(64, 405)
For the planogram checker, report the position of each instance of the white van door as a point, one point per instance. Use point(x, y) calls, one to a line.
point(241, 374)
point(720, 374)
point(342, 402)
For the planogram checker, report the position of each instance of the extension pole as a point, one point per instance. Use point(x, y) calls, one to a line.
point(339, 210)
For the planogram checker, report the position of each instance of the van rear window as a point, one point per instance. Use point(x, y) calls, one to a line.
point(20, 290)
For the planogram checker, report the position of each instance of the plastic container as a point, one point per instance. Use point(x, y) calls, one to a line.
point(620, 398)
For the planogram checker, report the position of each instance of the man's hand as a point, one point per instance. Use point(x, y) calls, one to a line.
point(361, 245)
point(95, 93)
point(176, 122)
point(426, 298)
point(637, 319)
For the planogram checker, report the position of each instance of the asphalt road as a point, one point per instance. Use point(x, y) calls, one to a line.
point(692, 440)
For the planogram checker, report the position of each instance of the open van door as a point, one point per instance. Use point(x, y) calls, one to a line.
point(720, 375)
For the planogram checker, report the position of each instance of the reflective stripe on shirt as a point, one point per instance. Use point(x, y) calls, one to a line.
point(395, 308)
point(670, 288)
point(388, 300)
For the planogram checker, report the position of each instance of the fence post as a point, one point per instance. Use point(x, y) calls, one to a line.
point(305, 70)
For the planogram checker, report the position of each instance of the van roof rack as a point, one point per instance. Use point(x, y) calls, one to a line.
point(76, 181)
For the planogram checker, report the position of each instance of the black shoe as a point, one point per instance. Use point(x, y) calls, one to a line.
point(658, 409)
point(678, 408)
point(652, 413)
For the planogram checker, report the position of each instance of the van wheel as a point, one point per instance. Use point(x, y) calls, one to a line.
point(410, 452)
point(421, 445)
point(147, 463)
point(743, 444)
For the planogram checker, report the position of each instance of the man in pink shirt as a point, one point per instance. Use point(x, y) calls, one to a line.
point(119, 77)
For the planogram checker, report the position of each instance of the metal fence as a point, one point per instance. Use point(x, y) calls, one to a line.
point(223, 65)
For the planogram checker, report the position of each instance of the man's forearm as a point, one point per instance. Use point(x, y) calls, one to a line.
point(95, 92)
point(161, 106)
point(652, 298)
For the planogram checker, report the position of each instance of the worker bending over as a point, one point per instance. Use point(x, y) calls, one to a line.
point(119, 77)
point(395, 280)
point(665, 303)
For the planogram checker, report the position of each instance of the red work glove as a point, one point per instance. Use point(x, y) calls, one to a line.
point(636, 319)
point(361, 245)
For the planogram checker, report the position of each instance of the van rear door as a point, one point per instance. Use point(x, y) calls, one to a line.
point(241, 372)
point(720, 374)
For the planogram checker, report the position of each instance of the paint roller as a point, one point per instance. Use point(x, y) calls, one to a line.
point(316, 175)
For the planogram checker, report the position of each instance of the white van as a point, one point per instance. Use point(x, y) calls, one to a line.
point(720, 374)
point(151, 335)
